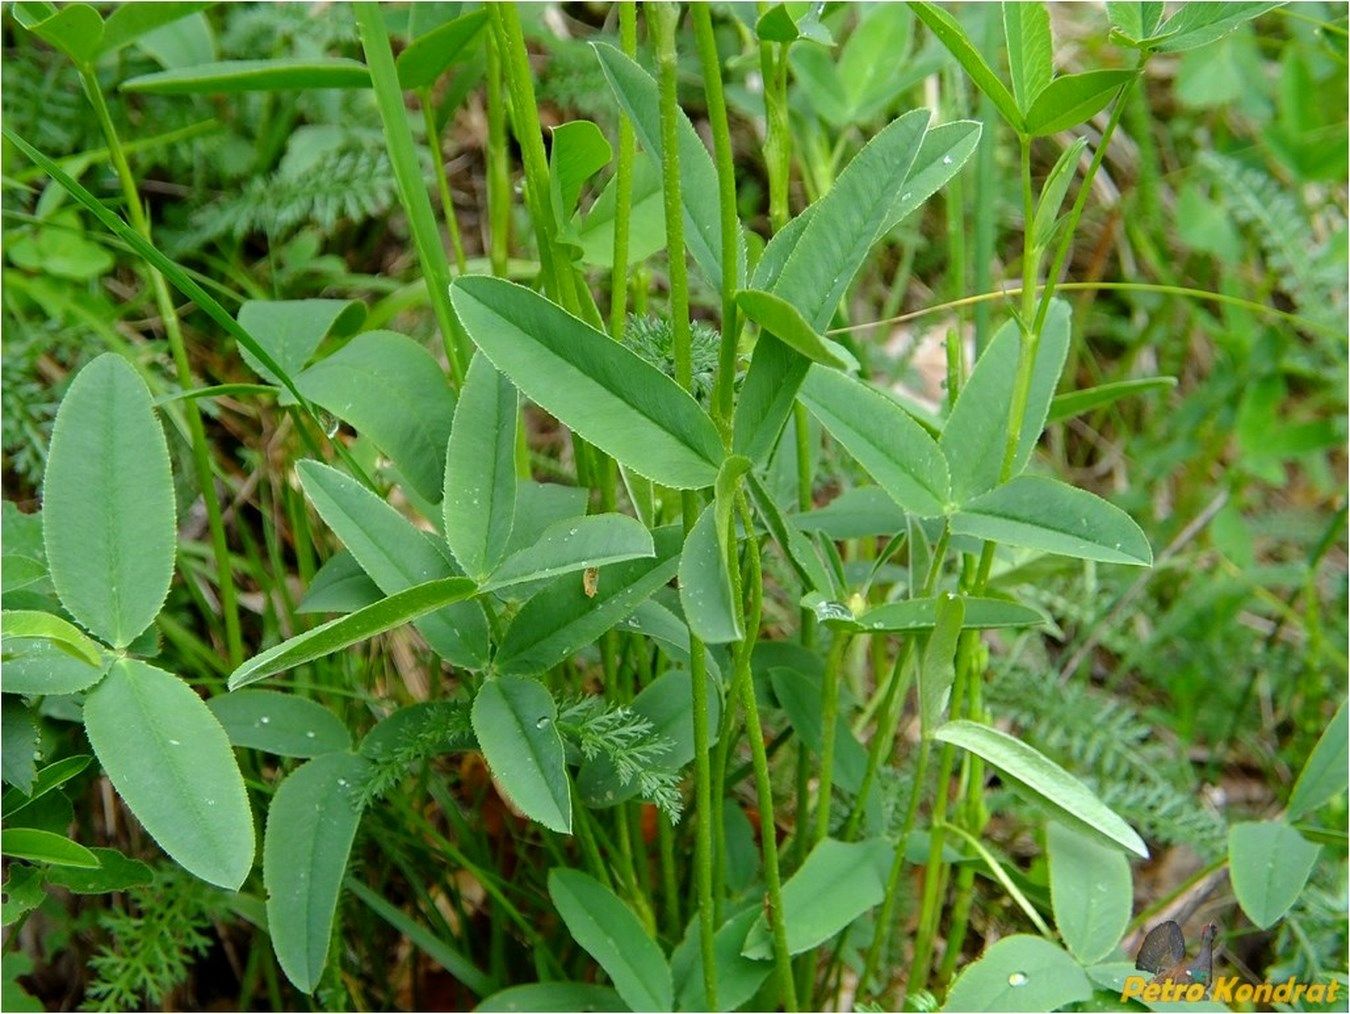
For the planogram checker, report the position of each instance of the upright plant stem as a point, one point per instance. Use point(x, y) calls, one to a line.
point(403, 157)
point(829, 713)
point(623, 186)
point(745, 690)
point(723, 388)
point(662, 19)
point(201, 453)
point(498, 169)
point(428, 104)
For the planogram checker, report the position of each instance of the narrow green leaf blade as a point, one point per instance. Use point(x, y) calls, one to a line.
point(921, 614)
point(1039, 513)
point(1073, 99)
point(394, 611)
point(1075, 403)
point(882, 437)
point(571, 545)
point(1048, 784)
point(41, 846)
point(396, 556)
point(554, 996)
point(1269, 863)
point(1195, 25)
point(170, 760)
point(1090, 890)
point(612, 934)
point(310, 827)
point(705, 584)
point(108, 503)
point(781, 318)
point(950, 33)
point(480, 469)
point(1324, 774)
point(603, 391)
point(115, 872)
point(230, 76)
point(514, 718)
point(33, 623)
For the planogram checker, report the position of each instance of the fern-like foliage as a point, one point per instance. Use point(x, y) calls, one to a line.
point(432, 729)
point(630, 742)
point(653, 338)
point(1311, 269)
point(153, 941)
point(341, 185)
point(1108, 744)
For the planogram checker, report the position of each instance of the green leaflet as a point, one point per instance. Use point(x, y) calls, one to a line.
point(609, 395)
point(391, 390)
point(281, 74)
point(921, 614)
point(1070, 100)
point(1045, 782)
point(954, 37)
point(574, 544)
point(1091, 891)
point(705, 584)
point(31, 623)
point(310, 827)
point(1026, 26)
point(514, 718)
point(386, 614)
point(339, 586)
point(1046, 514)
point(838, 882)
point(1074, 403)
point(292, 329)
point(1020, 972)
point(611, 934)
point(785, 322)
point(170, 760)
point(738, 977)
point(1269, 863)
point(562, 619)
point(41, 846)
point(937, 666)
point(108, 503)
point(975, 435)
point(424, 59)
point(554, 996)
point(1324, 772)
point(282, 724)
point(18, 742)
point(882, 437)
point(396, 556)
point(480, 470)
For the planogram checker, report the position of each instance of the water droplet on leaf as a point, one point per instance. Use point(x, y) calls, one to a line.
point(1017, 979)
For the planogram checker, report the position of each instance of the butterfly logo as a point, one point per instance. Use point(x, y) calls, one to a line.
point(1163, 953)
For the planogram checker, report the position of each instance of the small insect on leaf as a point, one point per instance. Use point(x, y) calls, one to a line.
point(590, 581)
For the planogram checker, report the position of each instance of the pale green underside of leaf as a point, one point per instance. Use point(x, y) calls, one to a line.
point(281, 724)
point(1269, 863)
point(1091, 891)
point(1020, 973)
point(1068, 799)
point(171, 762)
point(1324, 773)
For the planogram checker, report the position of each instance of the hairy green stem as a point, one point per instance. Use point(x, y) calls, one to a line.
point(201, 452)
point(662, 19)
point(724, 387)
point(623, 186)
point(498, 168)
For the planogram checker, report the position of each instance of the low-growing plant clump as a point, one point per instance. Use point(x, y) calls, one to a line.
point(683, 507)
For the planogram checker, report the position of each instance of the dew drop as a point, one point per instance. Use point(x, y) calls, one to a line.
point(946, 160)
point(1017, 979)
point(263, 720)
point(571, 531)
point(342, 783)
point(542, 723)
point(210, 802)
point(310, 735)
point(174, 742)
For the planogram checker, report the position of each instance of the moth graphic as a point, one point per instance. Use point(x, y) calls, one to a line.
point(1163, 953)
